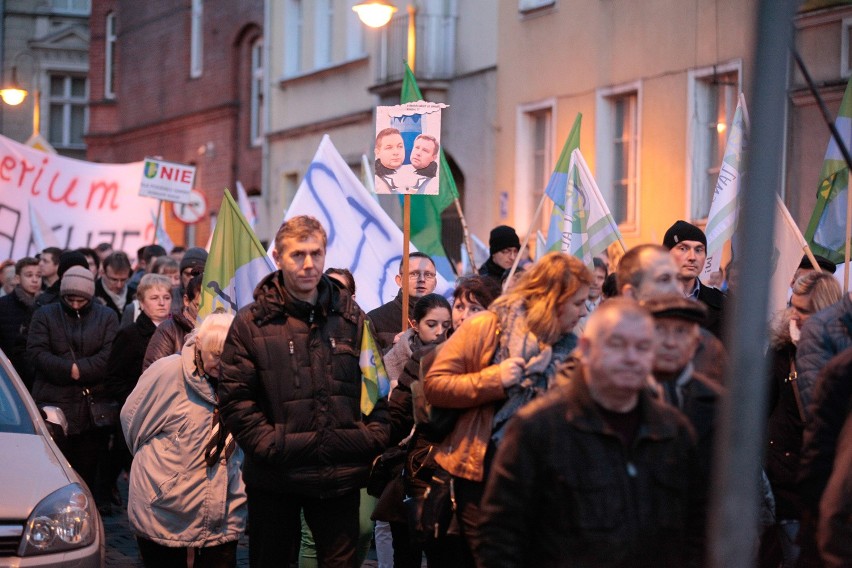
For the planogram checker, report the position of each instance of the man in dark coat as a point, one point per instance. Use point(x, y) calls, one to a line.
point(112, 288)
point(597, 473)
point(290, 392)
point(68, 345)
point(503, 245)
point(16, 309)
point(387, 318)
point(688, 246)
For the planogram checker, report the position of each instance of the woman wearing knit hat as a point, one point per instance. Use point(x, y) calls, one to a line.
point(69, 344)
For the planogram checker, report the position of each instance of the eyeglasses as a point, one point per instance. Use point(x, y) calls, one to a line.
point(421, 275)
point(116, 280)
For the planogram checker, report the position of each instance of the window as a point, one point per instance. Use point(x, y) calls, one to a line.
point(293, 37)
point(323, 33)
point(109, 57)
point(534, 162)
point(67, 110)
point(196, 45)
point(617, 132)
point(78, 7)
point(712, 107)
point(256, 128)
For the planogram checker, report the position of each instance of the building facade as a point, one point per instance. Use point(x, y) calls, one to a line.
point(328, 72)
point(180, 80)
point(45, 45)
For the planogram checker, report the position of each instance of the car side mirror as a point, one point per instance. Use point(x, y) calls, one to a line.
point(56, 422)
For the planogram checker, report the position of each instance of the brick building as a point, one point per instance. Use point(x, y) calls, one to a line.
point(181, 80)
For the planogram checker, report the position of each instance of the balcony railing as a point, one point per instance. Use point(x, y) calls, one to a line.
point(436, 37)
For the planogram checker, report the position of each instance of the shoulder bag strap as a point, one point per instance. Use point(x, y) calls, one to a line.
point(793, 379)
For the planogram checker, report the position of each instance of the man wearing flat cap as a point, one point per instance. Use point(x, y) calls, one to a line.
point(676, 323)
point(688, 246)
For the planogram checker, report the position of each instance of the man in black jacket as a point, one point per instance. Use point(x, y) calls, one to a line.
point(112, 288)
point(597, 473)
point(16, 309)
point(688, 246)
point(290, 390)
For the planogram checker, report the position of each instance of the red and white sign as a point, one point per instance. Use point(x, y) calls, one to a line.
point(192, 211)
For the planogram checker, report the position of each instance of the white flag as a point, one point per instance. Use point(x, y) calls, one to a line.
point(245, 206)
point(589, 226)
point(722, 219)
point(163, 238)
point(481, 254)
point(788, 246)
point(361, 236)
point(540, 245)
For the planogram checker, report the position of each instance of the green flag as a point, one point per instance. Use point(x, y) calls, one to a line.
point(826, 233)
point(557, 188)
point(426, 209)
point(235, 264)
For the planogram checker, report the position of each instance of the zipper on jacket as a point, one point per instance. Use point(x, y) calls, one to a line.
point(293, 367)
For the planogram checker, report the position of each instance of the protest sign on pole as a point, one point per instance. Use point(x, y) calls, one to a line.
point(82, 203)
point(166, 181)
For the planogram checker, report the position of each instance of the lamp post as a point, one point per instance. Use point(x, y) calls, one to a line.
point(13, 94)
point(376, 14)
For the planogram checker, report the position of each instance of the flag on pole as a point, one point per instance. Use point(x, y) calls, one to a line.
point(481, 253)
point(374, 379)
point(426, 209)
point(245, 206)
point(541, 243)
point(163, 238)
point(235, 264)
point(826, 232)
point(588, 226)
point(557, 188)
point(722, 219)
point(788, 246)
point(42, 235)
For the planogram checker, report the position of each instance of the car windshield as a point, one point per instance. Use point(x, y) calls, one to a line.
point(13, 414)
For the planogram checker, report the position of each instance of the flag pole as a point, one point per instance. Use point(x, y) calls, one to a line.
point(468, 244)
point(157, 224)
point(524, 242)
point(826, 116)
point(406, 200)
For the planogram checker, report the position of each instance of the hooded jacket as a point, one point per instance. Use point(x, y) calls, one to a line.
point(290, 392)
point(175, 498)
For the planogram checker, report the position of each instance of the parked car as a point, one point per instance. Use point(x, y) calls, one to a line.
point(48, 516)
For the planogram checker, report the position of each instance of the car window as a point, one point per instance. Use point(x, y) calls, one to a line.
point(13, 414)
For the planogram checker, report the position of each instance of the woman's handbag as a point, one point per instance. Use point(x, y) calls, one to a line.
point(104, 412)
point(430, 501)
point(387, 466)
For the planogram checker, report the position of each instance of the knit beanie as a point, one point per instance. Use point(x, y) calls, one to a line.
point(71, 258)
point(78, 281)
point(503, 237)
point(194, 258)
point(683, 231)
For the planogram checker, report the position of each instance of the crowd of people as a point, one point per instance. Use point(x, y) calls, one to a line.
point(549, 413)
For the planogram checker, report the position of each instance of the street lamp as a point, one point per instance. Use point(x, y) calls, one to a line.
point(375, 13)
point(13, 94)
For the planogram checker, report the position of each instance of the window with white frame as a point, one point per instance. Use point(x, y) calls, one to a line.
point(292, 37)
point(67, 110)
point(109, 56)
point(77, 7)
point(534, 162)
point(196, 45)
point(323, 33)
point(256, 127)
point(713, 104)
point(618, 152)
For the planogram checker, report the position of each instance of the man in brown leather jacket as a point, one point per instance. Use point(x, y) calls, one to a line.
point(597, 473)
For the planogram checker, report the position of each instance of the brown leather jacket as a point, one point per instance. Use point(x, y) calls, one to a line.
point(462, 376)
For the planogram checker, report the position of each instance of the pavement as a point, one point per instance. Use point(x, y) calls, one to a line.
point(122, 552)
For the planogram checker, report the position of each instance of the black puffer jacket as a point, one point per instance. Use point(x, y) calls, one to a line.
point(59, 337)
point(168, 339)
point(15, 314)
point(125, 361)
point(290, 391)
point(387, 320)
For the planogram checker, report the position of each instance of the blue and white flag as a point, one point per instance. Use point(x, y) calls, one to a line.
point(361, 236)
point(245, 206)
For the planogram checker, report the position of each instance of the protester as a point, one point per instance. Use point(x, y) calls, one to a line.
point(169, 336)
point(430, 321)
point(290, 393)
point(177, 253)
point(503, 245)
point(7, 277)
point(805, 266)
point(596, 296)
point(648, 271)
point(811, 293)
point(343, 277)
point(144, 261)
point(168, 266)
point(103, 250)
point(599, 473)
point(835, 530)
point(67, 259)
point(48, 263)
point(688, 247)
point(68, 345)
point(496, 362)
point(188, 496)
point(16, 310)
point(387, 318)
point(112, 287)
point(93, 260)
point(472, 295)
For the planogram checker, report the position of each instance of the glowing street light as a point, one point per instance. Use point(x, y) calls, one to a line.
point(375, 13)
point(13, 94)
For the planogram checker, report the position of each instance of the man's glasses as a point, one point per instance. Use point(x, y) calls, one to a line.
point(421, 275)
